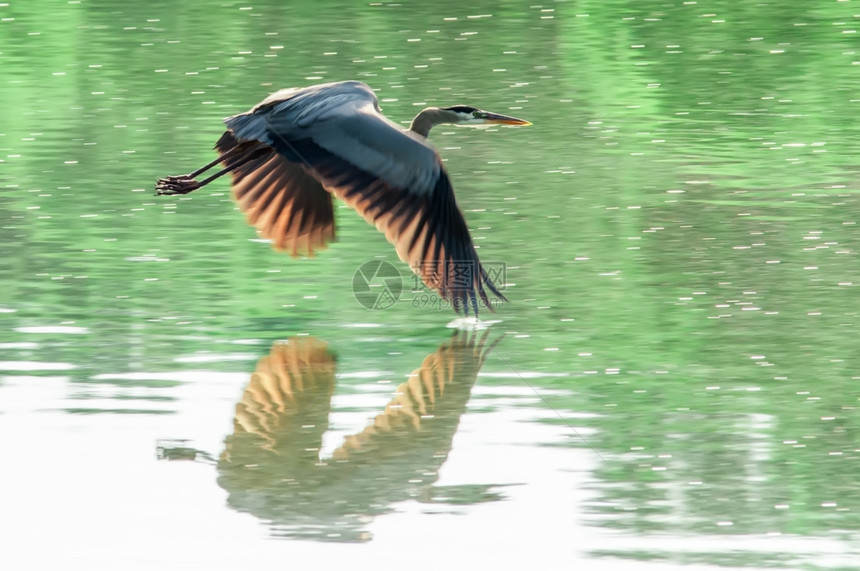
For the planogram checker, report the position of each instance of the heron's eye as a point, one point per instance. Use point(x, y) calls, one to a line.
point(476, 114)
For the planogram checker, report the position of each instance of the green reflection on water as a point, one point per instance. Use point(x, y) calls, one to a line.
point(678, 225)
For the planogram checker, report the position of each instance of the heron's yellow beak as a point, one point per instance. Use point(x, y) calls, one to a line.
point(505, 120)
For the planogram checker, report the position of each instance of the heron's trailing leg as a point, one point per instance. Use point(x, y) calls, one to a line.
point(185, 183)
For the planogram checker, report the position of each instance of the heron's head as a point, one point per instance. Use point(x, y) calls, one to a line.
point(466, 115)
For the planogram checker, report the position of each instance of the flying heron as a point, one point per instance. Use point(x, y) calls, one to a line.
point(297, 147)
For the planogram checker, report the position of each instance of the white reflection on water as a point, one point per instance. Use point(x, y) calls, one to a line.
point(62, 329)
point(34, 366)
point(178, 376)
point(217, 357)
point(19, 345)
point(106, 503)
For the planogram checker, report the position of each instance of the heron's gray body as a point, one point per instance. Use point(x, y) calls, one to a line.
point(344, 119)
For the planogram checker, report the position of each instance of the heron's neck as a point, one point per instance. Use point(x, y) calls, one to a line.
point(426, 120)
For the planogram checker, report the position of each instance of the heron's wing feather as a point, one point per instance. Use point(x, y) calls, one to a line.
point(391, 177)
point(423, 223)
point(284, 203)
point(358, 135)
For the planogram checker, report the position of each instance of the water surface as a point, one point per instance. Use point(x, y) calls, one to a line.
point(673, 383)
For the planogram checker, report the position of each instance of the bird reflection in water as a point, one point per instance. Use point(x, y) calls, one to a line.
point(271, 465)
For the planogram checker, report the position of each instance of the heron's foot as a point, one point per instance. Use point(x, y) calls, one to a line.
point(169, 185)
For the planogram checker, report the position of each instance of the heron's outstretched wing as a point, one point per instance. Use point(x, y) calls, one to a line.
point(286, 205)
point(391, 177)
